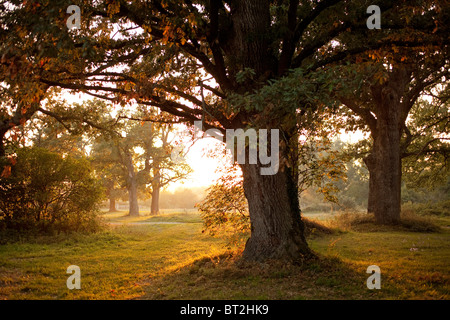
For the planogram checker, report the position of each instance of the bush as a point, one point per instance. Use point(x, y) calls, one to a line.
point(225, 213)
point(441, 208)
point(44, 192)
point(416, 223)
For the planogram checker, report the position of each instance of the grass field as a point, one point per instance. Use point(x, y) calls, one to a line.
point(168, 257)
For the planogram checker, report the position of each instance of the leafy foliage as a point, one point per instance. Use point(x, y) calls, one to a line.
point(225, 210)
point(322, 165)
point(426, 159)
point(47, 192)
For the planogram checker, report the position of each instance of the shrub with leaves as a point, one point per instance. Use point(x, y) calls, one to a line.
point(224, 210)
point(43, 191)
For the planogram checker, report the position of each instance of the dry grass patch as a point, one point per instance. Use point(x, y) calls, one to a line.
point(363, 222)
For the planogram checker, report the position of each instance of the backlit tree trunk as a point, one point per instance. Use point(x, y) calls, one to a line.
point(384, 162)
point(112, 204)
point(276, 228)
point(132, 199)
point(154, 210)
point(391, 102)
point(132, 186)
point(110, 195)
point(277, 231)
point(385, 181)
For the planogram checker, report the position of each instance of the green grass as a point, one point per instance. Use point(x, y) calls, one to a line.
point(173, 217)
point(113, 263)
point(413, 265)
point(146, 260)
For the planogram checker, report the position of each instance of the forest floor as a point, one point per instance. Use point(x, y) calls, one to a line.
point(168, 257)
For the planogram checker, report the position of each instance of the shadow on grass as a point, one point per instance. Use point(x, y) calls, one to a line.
point(227, 277)
point(335, 273)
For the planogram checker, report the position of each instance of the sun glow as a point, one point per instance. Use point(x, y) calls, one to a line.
point(205, 159)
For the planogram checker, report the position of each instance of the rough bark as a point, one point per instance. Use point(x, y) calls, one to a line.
point(384, 163)
point(277, 231)
point(251, 20)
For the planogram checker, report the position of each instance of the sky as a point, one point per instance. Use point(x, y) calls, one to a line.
point(204, 167)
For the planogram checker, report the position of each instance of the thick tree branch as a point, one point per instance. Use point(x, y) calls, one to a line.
point(425, 150)
point(62, 118)
point(362, 112)
point(289, 41)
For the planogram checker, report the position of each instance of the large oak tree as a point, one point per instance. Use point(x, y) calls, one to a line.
point(392, 82)
point(161, 53)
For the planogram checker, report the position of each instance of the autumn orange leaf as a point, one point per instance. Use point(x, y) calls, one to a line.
point(6, 172)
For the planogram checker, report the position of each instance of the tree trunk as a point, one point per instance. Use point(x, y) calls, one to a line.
point(155, 201)
point(132, 186)
point(133, 199)
point(109, 184)
point(156, 188)
point(384, 163)
point(112, 204)
point(385, 185)
point(277, 231)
